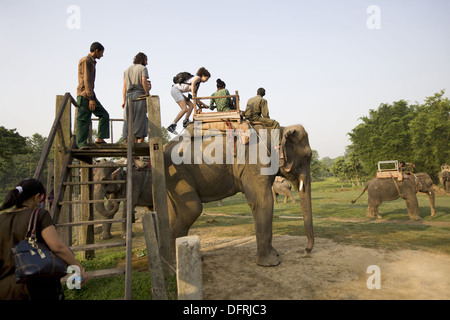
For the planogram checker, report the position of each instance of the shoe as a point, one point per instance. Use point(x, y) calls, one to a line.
point(171, 129)
point(185, 123)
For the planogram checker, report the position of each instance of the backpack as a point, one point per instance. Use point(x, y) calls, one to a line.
point(182, 77)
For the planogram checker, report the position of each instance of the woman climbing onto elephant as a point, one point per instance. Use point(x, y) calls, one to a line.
point(182, 85)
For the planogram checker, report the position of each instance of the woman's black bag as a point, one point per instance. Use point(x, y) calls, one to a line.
point(33, 259)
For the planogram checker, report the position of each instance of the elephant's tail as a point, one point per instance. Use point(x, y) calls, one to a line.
point(365, 188)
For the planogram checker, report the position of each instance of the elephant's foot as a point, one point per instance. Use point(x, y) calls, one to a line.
point(415, 218)
point(374, 215)
point(269, 260)
point(105, 235)
point(124, 234)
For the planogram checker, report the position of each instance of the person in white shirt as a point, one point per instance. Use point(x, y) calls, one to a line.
point(182, 86)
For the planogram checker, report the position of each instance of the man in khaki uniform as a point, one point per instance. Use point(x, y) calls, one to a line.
point(258, 111)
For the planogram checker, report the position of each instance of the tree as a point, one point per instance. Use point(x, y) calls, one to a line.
point(414, 133)
point(339, 170)
point(383, 135)
point(318, 169)
point(430, 133)
point(11, 143)
point(21, 164)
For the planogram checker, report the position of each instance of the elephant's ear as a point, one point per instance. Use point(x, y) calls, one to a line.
point(287, 149)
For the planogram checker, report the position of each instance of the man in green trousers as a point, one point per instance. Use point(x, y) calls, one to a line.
point(87, 101)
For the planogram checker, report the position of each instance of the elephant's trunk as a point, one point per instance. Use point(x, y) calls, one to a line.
point(305, 200)
point(113, 206)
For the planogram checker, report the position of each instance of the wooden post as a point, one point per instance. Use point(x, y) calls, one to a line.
point(62, 137)
point(50, 186)
point(86, 232)
point(189, 268)
point(129, 205)
point(149, 221)
point(159, 182)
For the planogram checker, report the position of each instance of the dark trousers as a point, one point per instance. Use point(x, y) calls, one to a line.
point(84, 120)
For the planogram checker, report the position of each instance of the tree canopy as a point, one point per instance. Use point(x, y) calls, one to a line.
point(415, 133)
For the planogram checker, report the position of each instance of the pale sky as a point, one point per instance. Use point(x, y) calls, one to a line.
point(324, 64)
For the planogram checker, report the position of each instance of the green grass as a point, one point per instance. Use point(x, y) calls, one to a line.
point(334, 217)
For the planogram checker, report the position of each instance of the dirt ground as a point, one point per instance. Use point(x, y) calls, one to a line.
point(331, 271)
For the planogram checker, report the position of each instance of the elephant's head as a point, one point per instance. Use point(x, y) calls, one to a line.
point(108, 190)
point(297, 160)
point(425, 184)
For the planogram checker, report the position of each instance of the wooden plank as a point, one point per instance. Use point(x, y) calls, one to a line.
point(82, 223)
point(94, 182)
point(90, 201)
point(159, 291)
point(96, 274)
point(99, 165)
point(159, 182)
point(87, 212)
point(61, 109)
point(60, 178)
point(217, 97)
point(62, 159)
point(96, 246)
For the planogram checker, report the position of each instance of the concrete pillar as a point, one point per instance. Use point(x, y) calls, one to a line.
point(189, 268)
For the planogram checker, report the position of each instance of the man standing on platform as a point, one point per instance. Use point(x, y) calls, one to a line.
point(87, 101)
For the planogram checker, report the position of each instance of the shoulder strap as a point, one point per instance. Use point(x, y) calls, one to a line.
point(31, 232)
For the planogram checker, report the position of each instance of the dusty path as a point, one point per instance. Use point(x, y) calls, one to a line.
point(331, 271)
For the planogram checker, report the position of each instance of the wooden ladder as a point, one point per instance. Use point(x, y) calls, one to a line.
point(66, 152)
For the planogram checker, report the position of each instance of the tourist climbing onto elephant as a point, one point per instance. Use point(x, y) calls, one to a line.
point(388, 189)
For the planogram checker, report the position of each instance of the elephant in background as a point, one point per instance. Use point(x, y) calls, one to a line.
point(142, 193)
point(282, 187)
point(388, 189)
point(444, 178)
point(190, 183)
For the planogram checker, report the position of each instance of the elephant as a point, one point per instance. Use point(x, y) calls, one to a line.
point(282, 187)
point(387, 189)
point(190, 182)
point(142, 193)
point(444, 178)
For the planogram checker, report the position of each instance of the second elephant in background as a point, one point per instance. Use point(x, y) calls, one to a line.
point(281, 186)
point(142, 193)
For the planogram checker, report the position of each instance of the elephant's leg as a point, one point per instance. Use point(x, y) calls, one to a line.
point(292, 198)
point(184, 208)
point(261, 203)
point(413, 207)
point(372, 209)
point(285, 199)
point(106, 230)
point(274, 195)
